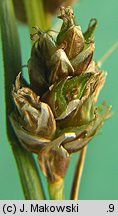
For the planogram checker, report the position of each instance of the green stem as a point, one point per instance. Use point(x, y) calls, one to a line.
point(30, 178)
point(56, 189)
point(36, 15)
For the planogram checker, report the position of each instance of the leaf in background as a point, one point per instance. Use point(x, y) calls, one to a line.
point(12, 64)
point(36, 15)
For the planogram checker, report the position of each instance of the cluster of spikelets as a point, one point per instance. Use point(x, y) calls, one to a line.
point(57, 114)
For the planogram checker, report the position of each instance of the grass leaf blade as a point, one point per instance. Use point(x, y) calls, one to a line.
point(29, 176)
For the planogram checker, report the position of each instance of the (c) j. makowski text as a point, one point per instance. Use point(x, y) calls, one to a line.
point(34, 208)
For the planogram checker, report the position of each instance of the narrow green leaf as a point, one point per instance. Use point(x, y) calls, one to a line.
point(11, 48)
point(28, 172)
point(36, 15)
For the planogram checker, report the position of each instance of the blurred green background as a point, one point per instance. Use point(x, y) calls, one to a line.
point(100, 175)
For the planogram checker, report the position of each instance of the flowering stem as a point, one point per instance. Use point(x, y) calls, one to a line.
point(56, 189)
point(78, 174)
point(108, 53)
